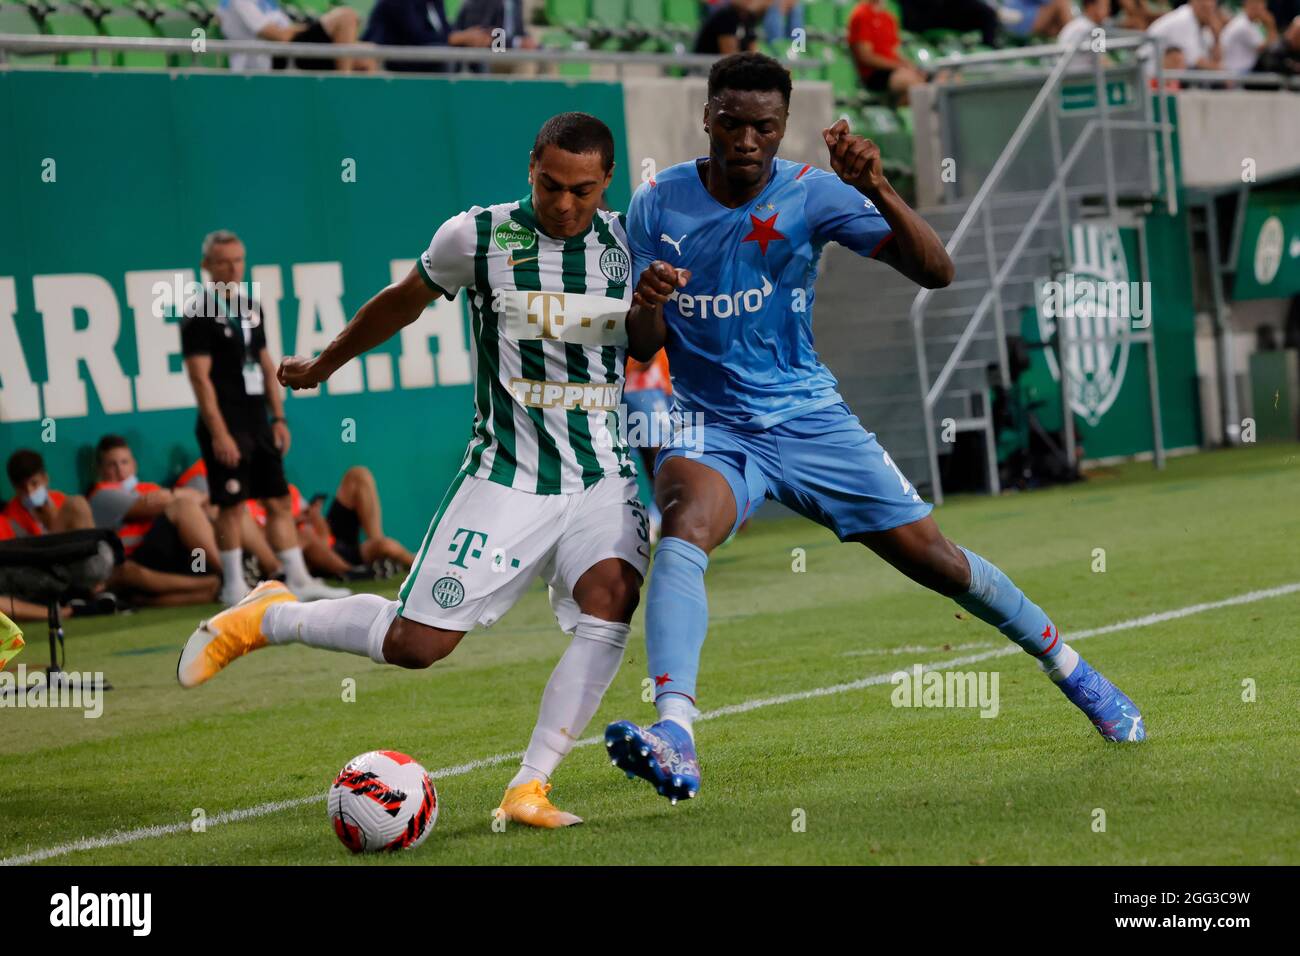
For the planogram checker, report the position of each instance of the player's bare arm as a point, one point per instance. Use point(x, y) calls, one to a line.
point(386, 314)
point(916, 250)
point(646, 330)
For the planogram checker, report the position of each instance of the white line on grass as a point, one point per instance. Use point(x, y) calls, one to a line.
point(122, 837)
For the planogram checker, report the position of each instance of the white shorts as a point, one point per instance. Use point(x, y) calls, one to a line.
point(489, 542)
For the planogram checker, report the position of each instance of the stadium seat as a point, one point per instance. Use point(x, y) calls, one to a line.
point(571, 14)
point(72, 20)
point(682, 19)
point(18, 18)
point(647, 16)
point(609, 19)
point(132, 18)
point(821, 20)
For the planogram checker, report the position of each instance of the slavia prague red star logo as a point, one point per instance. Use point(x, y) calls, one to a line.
point(661, 679)
point(763, 231)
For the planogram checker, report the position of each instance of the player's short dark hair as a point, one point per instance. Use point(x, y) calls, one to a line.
point(749, 71)
point(107, 444)
point(22, 465)
point(577, 133)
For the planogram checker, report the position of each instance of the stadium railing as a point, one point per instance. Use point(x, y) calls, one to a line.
point(12, 45)
point(1001, 268)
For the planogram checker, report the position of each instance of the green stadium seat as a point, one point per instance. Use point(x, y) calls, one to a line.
point(842, 73)
point(821, 19)
point(682, 19)
point(572, 14)
point(609, 18)
point(19, 19)
point(72, 21)
point(647, 15)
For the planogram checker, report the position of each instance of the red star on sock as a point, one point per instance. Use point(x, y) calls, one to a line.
point(764, 231)
point(662, 679)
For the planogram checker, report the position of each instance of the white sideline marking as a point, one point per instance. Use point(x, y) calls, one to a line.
point(121, 837)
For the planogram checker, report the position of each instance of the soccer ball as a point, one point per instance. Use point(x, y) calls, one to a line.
point(382, 800)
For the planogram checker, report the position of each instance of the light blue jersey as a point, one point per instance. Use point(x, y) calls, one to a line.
point(740, 342)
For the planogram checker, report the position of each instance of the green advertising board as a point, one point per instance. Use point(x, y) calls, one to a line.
point(108, 183)
point(1109, 372)
point(1268, 264)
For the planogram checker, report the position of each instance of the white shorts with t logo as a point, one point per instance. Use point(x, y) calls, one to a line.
point(489, 542)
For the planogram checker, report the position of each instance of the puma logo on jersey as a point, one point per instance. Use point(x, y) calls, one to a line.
point(676, 244)
point(511, 261)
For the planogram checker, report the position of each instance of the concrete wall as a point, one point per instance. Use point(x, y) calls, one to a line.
point(665, 123)
point(1218, 129)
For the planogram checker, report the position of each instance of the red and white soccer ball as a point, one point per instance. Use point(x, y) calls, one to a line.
point(382, 800)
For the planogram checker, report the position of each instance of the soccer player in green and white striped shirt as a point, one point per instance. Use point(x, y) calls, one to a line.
point(547, 487)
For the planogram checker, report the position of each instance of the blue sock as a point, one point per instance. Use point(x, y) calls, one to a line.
point(677, 618)
point(994, 599)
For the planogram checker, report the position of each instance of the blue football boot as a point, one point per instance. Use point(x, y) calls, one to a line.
point(663, 754)
point(1111, 712)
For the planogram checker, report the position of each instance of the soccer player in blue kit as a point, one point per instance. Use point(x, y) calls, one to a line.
point(726, 248)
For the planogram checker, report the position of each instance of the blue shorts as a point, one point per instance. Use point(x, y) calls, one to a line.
point(823, 465)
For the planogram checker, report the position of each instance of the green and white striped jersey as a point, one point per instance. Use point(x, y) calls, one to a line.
point(547, 319)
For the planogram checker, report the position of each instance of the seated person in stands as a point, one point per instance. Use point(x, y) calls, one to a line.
point(1246, 36)
point(1137, 14)
point(1082, 29)
point(425, 23)
point(331, 542)
point(36, 508)
point(1195, 28)
point(1283, 55)
point(1041, 19)
point(960, 15)
point(266, 20)
point(166, 535)
point(732, 27)
point(873, 44)
point(260, 561)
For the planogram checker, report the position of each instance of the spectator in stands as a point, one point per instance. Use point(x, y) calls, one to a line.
point(332, 541)
point(731, 28)
point(223, 342)
point(166, 535)
point(36, 508)
point(1136, 14)
point(259, 557)
point(783, 17)
point(1246, 35)
point(266, 20)
point(1082, 27)
point(478, 20)
point(1283, 54)
point(873, 44)
point(419, 23)
point(1195, 29)
point(1037, 18)
point(960, 15)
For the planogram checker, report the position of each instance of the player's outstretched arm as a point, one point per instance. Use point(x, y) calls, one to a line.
point(916, 250)
point(387, 313)
point(646, 330)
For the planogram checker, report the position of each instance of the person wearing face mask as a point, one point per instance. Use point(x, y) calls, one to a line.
point(36, 508)
point(169, 542)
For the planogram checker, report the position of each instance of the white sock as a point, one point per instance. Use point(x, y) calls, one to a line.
point(295, 567)
point(573, 694)
point(679, 710)
point(1066, 661)
point(355, 624)
point(233, 585)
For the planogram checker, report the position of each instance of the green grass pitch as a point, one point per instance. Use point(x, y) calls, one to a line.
point(841, 777)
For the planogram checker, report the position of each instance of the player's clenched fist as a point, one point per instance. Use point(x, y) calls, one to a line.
point(658, 282)
point(295, 372)
point(855, 159)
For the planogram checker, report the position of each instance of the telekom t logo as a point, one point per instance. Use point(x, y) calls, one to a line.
point(466, 545)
